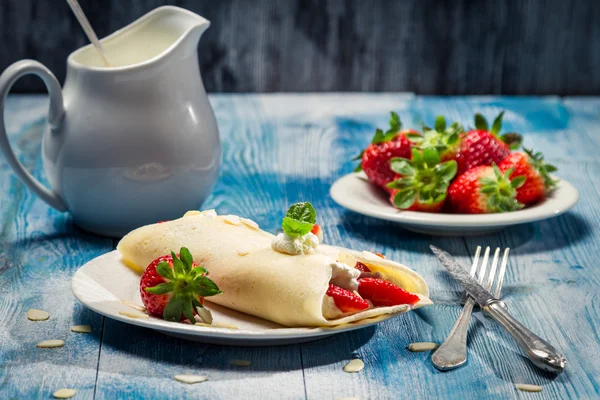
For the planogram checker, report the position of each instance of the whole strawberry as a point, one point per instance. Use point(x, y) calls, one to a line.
point(482, 146)
point(485, 189)
point(445, 139)
point(538, 182)
point(173, 287)
point(422, 182)
point(384, 146)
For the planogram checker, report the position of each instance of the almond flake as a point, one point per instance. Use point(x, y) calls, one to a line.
point(37, 315)
point(232, 220)
point(240, 363)
point(133, 305)
point(205, 315)
point(192, 213)
point(242, 253)
point(203, 324)
point(422, 346)
point(222, 325)
point(209, 213)
point(528, 388)
point(249, 223)
point(354, 365)
point(191, 378)
point(49, 344)
point(64, 393)
point(132, 314)
point(81, 329)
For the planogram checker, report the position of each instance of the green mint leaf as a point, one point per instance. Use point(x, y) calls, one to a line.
point(440, 123)
point(295, 228)
point(405, 199)
point(379, 137)
point(173, 309)
point(480, 122)
point(302, 212)
point(161, 288)
point(497, 125)
point(186, 259)
point(165, 270)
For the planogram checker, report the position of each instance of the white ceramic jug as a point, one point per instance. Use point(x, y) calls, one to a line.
point(132, 144)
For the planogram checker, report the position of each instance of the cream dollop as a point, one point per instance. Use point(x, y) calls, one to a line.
point(344, 276)
point(304, 244)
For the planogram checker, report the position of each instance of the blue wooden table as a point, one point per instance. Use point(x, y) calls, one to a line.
point(279, 149)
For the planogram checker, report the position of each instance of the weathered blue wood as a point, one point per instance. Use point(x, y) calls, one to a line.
point(279, 149)
point(40, 250)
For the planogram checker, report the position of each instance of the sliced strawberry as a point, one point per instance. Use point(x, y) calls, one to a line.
point(362, 267)
point(345, 300)
point(380, 255)
point(316, 230)
point(383, 293)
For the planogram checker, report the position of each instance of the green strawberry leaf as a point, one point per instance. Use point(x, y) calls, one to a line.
point(551, 168)
point(198, 271)
point(440, 123)
point(299, 219)
point(414, 137)
point(518, 182)
point(401, 166)
point(173, 309)
point(446, 170)
point(188, 309)
point(186, 259)
point(358, 168)
point(165, 270)
point(512, 139)
point(358, 157)
point(497, 125)
point(395, 123)
point(480, 122)
point(177, 264)
point(161, 288)
point(401, 184)
point(205, 287)
point(431, 157)
point(405, 198)
point(379, 137)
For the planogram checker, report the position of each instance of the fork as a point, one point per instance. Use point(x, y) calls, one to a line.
point(453, 352)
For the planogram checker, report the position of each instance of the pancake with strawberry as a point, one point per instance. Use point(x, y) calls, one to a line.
point(289, 278)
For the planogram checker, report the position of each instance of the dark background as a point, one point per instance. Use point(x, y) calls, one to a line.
point(422, 46)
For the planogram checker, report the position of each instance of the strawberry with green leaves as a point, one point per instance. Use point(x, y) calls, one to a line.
point(384, 146)
point(445, 139)
point(173, 287)
point(538, 182)
point(483, 146)
point(422, 182)
point(485, 189)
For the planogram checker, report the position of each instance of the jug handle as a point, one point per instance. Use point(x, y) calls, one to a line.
point(56, 112)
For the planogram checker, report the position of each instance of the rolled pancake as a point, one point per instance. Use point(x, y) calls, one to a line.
point(255, 279)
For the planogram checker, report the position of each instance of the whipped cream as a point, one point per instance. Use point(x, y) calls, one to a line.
point(329, 309)
point(295, 245)
point(344, 276)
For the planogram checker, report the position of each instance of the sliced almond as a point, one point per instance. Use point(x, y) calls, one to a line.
point(191, 378)
point(49, 344)
point(209, 213)
point(64, 393)
point(37, 315)
point(205, 315)
point(240, 363)
point(528, 388)
point(203, 324)
point(192, 213)
point(133, 305)
point(132, 314)
point(232, 220)
point(422, 346)
point(222, 325)
point(81, 329)
point(242, 253)
point(354, 365)
point(249, 223)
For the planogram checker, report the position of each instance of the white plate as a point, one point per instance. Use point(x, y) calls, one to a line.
point(103, 283)
point(356, 193)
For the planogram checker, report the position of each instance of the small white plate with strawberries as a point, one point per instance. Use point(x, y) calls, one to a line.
point(448, 181)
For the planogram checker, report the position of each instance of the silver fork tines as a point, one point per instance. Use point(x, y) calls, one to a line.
point(453, 352)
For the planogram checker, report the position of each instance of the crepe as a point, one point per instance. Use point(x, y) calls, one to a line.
point(254, 278)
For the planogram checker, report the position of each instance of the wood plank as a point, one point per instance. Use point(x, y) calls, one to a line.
point(40, 249)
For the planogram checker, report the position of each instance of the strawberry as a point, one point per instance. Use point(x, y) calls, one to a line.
point(361, 267)
point(383, 293)
point(482, 146)
point(316, 230)
point(422, 182)
point(485, 189)
point(345, 300)
point(384, 146)
point(538, 182)
point(173, 287)
point(446, 140)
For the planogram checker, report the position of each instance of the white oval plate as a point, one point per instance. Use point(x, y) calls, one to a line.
point(104, 282)
point(356, 193)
